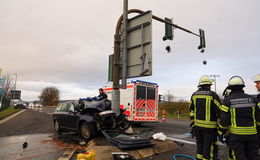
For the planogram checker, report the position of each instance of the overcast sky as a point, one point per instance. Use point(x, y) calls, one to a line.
point(66, 43)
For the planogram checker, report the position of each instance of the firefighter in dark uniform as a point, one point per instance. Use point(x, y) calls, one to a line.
point(239, 113)
point(256, 79)
point(204, 112)
point(102, 95)
point(225, 139)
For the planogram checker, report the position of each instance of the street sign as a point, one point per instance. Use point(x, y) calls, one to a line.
point(1, 91)
point(110, 67)
point(139, 45)
point(15, 94)
point(2, 82)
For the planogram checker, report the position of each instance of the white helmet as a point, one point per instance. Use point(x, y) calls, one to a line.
point(205, 80)
point(236, 81)
point(256, 78)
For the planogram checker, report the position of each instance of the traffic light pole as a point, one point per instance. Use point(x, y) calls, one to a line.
point(124, 54)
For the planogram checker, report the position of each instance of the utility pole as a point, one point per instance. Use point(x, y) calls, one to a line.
point(215, 81)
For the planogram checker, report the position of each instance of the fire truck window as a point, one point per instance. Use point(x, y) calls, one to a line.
point(140, 92)
point(150, 93)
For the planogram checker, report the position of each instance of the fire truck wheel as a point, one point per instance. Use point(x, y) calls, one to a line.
point(87, 131)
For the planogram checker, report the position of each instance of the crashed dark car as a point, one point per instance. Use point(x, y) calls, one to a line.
point(88, 118)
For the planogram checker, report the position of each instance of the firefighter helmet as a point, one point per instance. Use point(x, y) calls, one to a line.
point(205, 80)
point(236, 81)
point(256, 78)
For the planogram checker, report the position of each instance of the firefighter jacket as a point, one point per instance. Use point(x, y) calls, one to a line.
point(258, 104)
point(204, 108)
point(239, 116)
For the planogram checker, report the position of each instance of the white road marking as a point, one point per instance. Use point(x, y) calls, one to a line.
point(181, 140)
point(187, 142)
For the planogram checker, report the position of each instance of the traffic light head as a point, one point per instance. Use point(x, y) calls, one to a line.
point(168, 30)
point(202, 39)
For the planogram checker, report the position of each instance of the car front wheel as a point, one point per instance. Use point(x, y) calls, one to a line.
point(57, 126)
point(87, 131)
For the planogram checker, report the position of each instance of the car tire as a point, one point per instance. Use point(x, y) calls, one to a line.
point(87, 131)
point(57, 126)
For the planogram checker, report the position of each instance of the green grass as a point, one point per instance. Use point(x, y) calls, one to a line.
point(172, 109)
point(8, 112)
point(175, 116)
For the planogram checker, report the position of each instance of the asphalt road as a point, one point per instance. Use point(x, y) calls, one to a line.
point(179, 129)
point(38, 124)
point(29, 122)
point(29, 135)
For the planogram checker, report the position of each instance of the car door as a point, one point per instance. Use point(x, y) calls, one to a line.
point(59, 115)
point(62, 116)
point(72, 117)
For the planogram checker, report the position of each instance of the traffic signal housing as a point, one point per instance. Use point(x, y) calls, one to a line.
point(202, 39)
point(160, 98)
point(168, 30)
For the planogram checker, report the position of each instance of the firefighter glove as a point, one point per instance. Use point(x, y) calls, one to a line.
point(192, 124)
point(192, 132)
point(222, 138)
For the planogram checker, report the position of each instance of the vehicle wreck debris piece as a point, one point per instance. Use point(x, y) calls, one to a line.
point(159, 136)
point(87, 155)
point(25, 144)
point(122, 156)
point(124, 141)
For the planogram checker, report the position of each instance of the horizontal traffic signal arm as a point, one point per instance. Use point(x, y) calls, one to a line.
point(120, 20)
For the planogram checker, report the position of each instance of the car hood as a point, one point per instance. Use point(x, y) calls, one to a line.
point(98, 106)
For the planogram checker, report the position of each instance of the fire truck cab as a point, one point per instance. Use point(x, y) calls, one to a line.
point(140, 100)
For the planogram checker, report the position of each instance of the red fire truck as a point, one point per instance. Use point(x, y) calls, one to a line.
point(140, 100)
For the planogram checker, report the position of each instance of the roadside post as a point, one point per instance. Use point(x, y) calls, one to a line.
point(2, 82)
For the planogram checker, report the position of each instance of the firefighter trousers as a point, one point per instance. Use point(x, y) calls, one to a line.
point(245, 150)
point(206, 144)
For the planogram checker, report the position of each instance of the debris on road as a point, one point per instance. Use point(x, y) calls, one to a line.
point(25, 144)
point(159, 136)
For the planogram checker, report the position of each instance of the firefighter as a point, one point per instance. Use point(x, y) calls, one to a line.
point(230, 152)
point(204, 112)
point(238, 116)
point(256, 79)
point(102, 95)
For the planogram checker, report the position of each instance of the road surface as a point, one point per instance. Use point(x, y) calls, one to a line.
point(36, 128)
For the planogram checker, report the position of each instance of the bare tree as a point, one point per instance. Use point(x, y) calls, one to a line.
point(168, 96)
point(8, 85)
point(50, 96)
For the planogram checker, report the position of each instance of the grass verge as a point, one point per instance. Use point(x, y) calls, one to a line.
point(8, 112)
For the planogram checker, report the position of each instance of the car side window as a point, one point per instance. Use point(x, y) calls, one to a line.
point(58, 108)
point(70, 107)
point(64, 108)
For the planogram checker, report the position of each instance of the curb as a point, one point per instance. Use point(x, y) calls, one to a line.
point(11, 116)
point(67, 155)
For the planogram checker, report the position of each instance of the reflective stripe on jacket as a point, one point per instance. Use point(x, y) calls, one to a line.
point(204, 108)
point(240, 114)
